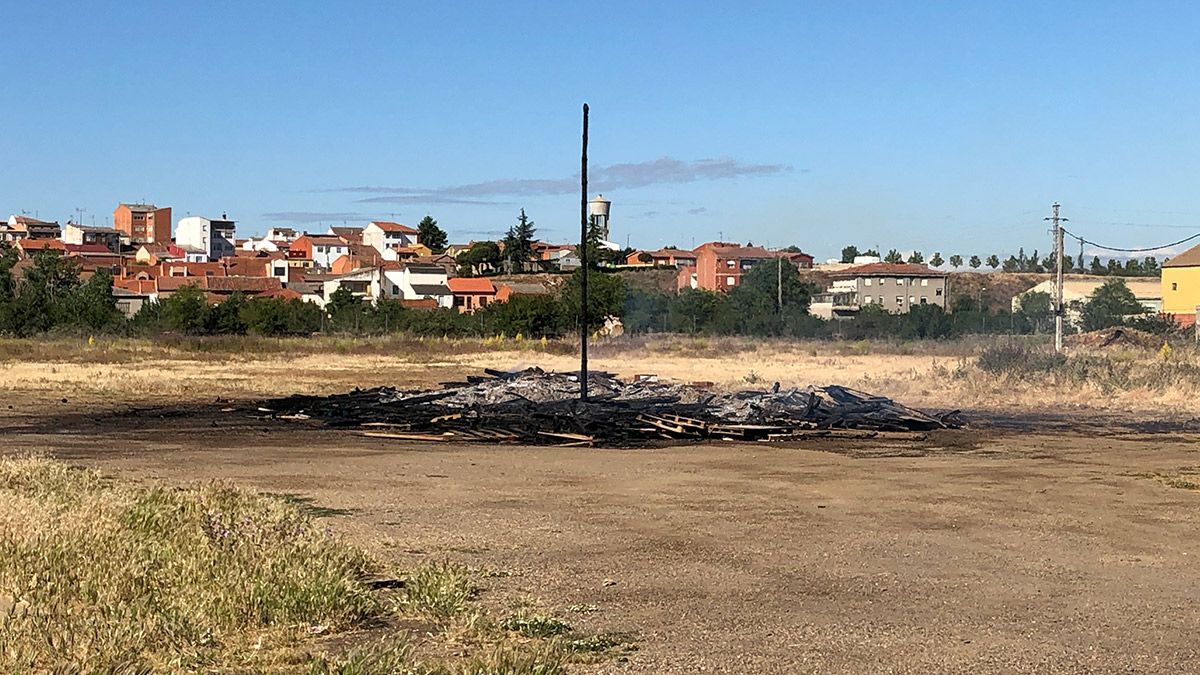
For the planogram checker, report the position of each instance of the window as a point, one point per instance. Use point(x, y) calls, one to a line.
point(731, 264)
point(899, 299)
point(911, 299)
point(867, 282)
point(924, 301)
point(868, 299)
point(924, 282)
point(728, 281)
point(1174, 286)
point(938, 292)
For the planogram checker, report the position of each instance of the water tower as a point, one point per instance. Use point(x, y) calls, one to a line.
point(598, 209)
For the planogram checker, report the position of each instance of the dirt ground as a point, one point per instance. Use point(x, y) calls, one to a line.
point(993, 549)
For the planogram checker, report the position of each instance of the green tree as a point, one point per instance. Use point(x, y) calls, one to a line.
point(1036, 309)
point(916, 258)
point(871, 252)
point(431, 235)
point(893, 257)
point(606, 297)
point(277, 317)
point(528, 315)
point(1110, 305)
point(93, 305)
point(482, 257)
point(44, 297)
point(993, 261)
point(518, 244)
point(1096, 268)
point(936, 260)
point(185, 311)
point(956, 261)
point(345, 310)
point(756, 299)
point(225, 318)
point(849, 253)
point(975, 262)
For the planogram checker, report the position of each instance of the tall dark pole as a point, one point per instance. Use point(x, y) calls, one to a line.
point(583, 265)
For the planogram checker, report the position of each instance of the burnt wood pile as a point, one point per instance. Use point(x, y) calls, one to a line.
point(537, 407)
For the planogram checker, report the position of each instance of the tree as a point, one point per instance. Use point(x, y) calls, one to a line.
point(975, 262)
point(482, 257)
point(756, 299)
point(225, 318)
point(956, 261)
point(429, 234)
point(93, 305)
point(277, 316)
point(1035, 307)
point(936, 260)
point(43, 298)
point(849, 253)
point(993, 261)
point(916, 258)
point(645, 258)
point(1096, 268)
point(345, 309)
point(893, 257)
point(518, 244)
point(185, 311)
point(1110, 305)
point(606, 297)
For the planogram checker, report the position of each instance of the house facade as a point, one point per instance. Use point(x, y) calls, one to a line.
point(896, 288)
point(32, 228)
point(720, 265)
point(109, 238)
point(321, 249)
point(212, 239)
point(471, 293)
point(383, 235)
point(1180, 286)
point(143, 223)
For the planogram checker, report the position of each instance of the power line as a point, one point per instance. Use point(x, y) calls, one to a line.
point(1130, 250)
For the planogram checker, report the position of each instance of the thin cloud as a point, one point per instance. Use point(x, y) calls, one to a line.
point(310, 216)
point(662, 171)
point(697, 211)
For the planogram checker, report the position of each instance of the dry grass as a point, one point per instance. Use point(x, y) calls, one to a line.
point(927, 374)
point(101, 576)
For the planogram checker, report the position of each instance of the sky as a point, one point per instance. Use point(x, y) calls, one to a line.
point(943, 126)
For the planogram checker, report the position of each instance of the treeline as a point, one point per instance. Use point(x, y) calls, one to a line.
point(1032, 263)
point(51, 297)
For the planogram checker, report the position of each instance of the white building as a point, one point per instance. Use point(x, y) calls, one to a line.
point(266, 244)
point(198, 235)
point(384, 235)
point(417, 282)
point(1077, 291)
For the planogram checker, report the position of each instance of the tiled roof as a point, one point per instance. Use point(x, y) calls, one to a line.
point(388, 226)
point(470, 285)
point(325, 240)
point(1189, 258)
point(140, 208)
point(891, 270)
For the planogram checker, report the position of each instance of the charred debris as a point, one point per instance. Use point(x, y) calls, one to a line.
point(543, 408)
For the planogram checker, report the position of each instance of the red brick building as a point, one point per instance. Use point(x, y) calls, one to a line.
point(720, 265)
point(143, 223)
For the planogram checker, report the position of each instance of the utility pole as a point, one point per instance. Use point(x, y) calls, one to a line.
point(1058, 275)
point(779, 284)
point(583, 265)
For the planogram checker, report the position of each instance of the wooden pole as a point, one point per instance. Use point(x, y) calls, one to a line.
point(583, 265)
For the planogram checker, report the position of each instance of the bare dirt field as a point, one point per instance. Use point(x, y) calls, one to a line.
point(1030, 543)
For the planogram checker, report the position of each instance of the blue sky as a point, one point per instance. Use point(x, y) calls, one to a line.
point(935, 126)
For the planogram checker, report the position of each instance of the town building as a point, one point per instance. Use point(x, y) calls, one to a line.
point(108, 237)
point(143, 223)
point(896, 288)
point(206, 238)
point(1180, 286)
point(471, 293)
point(664, 257)
point(384, 235)
point(32, 228)
point(720, 265)
point(1078, 289)
point(321, 249)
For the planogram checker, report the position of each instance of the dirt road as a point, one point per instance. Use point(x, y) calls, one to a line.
point(969, 552)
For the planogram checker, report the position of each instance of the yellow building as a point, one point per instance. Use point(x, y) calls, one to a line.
point(1181, 286)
